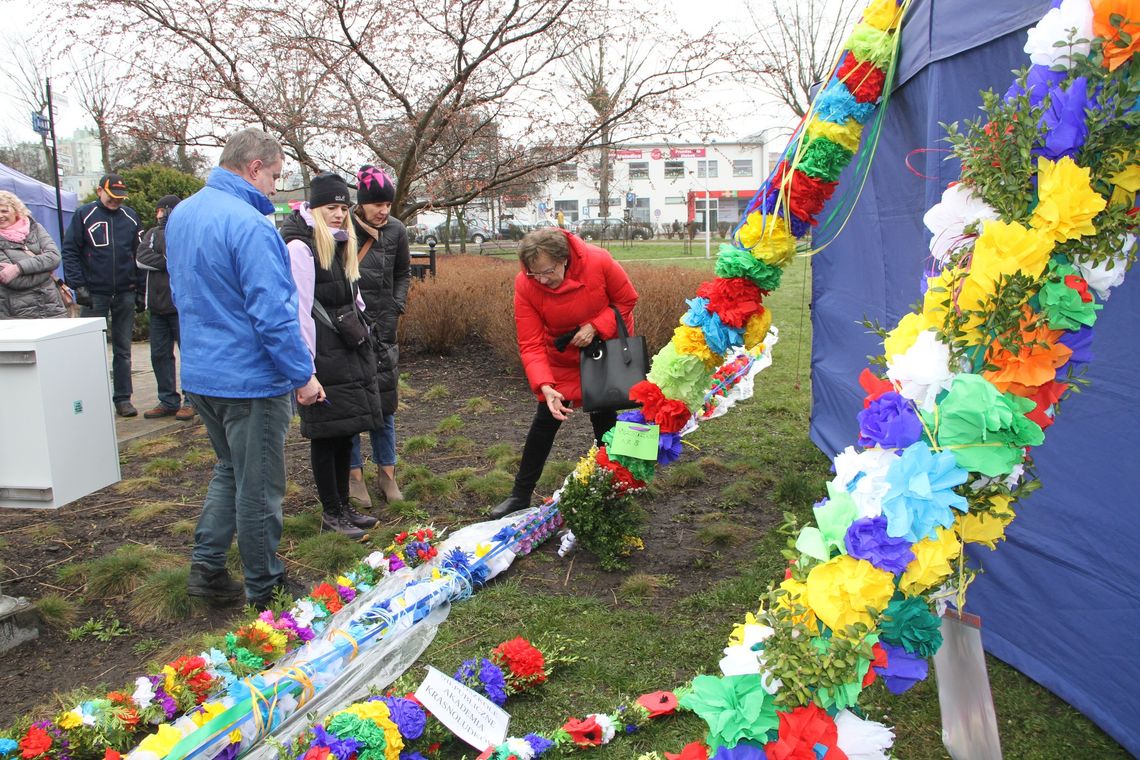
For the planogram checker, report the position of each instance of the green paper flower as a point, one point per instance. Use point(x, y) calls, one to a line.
point(680, 376)
point(824, 159)
point(872, 45)
point(984, 428)
point(372, 736)
point(1063, 307)
point(910, 624)
point(737, 262)
point(735, 708)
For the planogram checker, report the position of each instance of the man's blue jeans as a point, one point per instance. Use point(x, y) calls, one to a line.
point(163, 337)
point(248, 487)
point(383, 445)
point(120, 308)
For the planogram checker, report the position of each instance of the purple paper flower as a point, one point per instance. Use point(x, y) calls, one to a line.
point(669, 448)
point(1081, 344)
point(742, 751)
point(538, 743)
point(407, 715)
point(1038, 82)
point(229, 752)
point(337, 746)
point(867, 539)
point(903, 669)
point(169, 706)
point(921, 493)
point(632, 415)
point(770, 205)
point(889, 421)
point(395, 563)
point(411, 756)
point(494, 682)
point(346, 594)
point(1063, 122)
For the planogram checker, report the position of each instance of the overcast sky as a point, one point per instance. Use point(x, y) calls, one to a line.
point(732, 101)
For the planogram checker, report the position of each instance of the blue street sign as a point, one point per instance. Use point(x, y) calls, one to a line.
point(630, 197)
point(40, 124)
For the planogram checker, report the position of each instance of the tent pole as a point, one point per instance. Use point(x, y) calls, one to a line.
point(55, 160)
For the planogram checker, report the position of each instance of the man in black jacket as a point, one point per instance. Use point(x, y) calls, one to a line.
point(99, 265)
point(151, 259)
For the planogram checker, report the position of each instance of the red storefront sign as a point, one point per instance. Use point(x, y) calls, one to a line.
point(625, 154)
point(655, 154)
point(686, 153)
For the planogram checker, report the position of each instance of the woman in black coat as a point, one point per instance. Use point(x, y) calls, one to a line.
point(322, 249)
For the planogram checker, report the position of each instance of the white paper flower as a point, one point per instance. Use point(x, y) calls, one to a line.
point(863, 474)
point(947, 219)
point(377, 560)
point(923, 371)
point(303, 612)
point(520, 748)
point(606, 725)
point(1102, 279)
point(144, 692)
point(1056, 26)
point(862, 739)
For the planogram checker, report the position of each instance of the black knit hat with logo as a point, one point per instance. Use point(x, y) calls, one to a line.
point(328, 188)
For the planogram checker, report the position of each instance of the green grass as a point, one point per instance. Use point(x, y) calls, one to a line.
point(437, 392)
point(328, 552)
point(418, 444)
point(477, 405)
point(452, 423)
point(57, 611)
point(554, 473)
point(162, 466)
point(162, 598)
point(153, 446)
point(430, 487)
point(407, 509)
point(149, 510)
point(491, 488)
point(303, 525)
point(199, 456)
point(120, 572)
point(461, 444)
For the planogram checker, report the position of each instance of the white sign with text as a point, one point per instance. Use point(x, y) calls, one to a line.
point(470, 716)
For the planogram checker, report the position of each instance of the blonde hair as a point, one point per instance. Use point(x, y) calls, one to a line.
point(10, 199)
point(326, 245)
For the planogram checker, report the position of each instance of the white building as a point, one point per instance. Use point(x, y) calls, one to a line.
point(660, 182)
point(80, 162)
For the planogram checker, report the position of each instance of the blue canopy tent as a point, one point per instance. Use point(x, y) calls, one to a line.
point(39, 198)
point(1059, 599)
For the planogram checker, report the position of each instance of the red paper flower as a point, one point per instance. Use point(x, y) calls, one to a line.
point(864, 80)
point(401, 537)
point(111, 754)
point(525, 662)
point(691, 751)
point(733, 299)
point(35, 743)
point(328, 596)
point(874, 385)
point(1080, 285)
point(801, 731)
point(585, 733)
point(806, 195)
point(659, 703)
point(623, 479)
point(1045, 396)
point(880, 661)
point(317, 753)
point(669, 414)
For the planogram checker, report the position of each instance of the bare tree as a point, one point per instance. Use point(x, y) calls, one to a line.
point(793, 46)
point(99, 89)
point(25, 71)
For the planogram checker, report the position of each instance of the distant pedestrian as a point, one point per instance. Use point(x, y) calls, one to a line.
point(27, 257)
point(151, 258)
point(242, 356)
point(560, 218)
point(323, 255)
point(385, 276)
point(675, 229)
point(99, 265)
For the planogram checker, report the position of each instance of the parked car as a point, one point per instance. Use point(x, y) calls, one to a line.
point(443, 233)
point(613, 228)
point(511, 230)
point(417, 232)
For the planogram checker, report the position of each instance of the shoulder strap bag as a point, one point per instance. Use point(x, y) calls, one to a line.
point(609, 368)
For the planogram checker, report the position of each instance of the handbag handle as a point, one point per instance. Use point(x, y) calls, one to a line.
point(623, 335)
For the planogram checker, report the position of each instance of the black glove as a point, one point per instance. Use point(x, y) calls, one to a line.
point(83, 296)
point(140, 304)
point(563, 340)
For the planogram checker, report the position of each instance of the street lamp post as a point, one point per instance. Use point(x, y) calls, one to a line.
point(708, 216)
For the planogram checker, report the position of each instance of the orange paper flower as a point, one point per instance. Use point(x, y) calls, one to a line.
point(1117, 52)
point(1033, 365)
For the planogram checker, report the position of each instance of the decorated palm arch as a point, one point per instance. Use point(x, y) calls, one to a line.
point(1026, 245)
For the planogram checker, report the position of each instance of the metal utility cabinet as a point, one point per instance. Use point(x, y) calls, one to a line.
point(57, 425)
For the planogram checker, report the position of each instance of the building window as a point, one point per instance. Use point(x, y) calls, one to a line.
point(742, 168)
point(674, 200)
point(707, 169)
point(639, 170)
point(674, 169)
point(567, 172)
point(569, 209)
point(641, 210)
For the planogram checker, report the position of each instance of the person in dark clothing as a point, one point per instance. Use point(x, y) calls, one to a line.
point(385, 276)
point(322, 251)
point(151, 258)
point(99, 265)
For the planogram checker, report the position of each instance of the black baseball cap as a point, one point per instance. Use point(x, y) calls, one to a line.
point(167, 202)
point(113, 185)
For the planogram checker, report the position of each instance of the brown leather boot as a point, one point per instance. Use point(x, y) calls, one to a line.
point(358, 489)
point(386, 484)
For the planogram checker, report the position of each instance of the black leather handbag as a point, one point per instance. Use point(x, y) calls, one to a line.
point(609, 368)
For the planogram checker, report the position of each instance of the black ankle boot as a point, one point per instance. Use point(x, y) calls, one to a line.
point(510, 504)
point(215, 586)
point(359, 519)
point(335, 520)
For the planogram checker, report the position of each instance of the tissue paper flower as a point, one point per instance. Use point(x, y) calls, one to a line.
point(720, 337)
point(863, 79)
point(947, 220)
point(1120, 44)
point(682, 377)
point(862, 739)
point(903, 669)
point(986, 528)
point(889, 421)
point(1071, 19)
point(923, 371)
point(840, 590)
point(1066, 303)
point(1063, 126)
point(921, 493)
point(1034, 363)
point(864, 476)
point(734, 300)
point(768, 237)
point(795, 595)
point(1066, 201)
point(738, 262)
point(848, 134)
point(832, 518)
point(756, 329)
point(931, 563)
point(659, 703)
point(867, 539)
point(1105, 275)
point(735, 708)
point(806, 733)
point(1002, 249)
point(909, 623)
point(1038, 82)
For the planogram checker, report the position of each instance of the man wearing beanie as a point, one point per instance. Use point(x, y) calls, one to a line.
point(385, 275)
point(151, 259)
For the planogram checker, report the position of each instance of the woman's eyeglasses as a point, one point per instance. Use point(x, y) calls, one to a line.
point(544, 273)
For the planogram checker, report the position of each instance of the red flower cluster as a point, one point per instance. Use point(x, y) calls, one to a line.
point(623, 479)
point(423, 534)
point(874, 385)
point(691, 751)
point(585, 733)
point(1079, 284)
point(733, 299)
point(668, 414)
point(806, 195)
point(317, 753)
point(328, 596)
point(1047, 395)
point(801, 731)
point(126, 712)
point(880, 662)
point(193, 671)
point(35, 743)
point(864, 80)
point(658, 703)
point(525, 662)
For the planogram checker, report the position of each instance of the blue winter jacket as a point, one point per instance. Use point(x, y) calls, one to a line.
point(99, 249)
point(234, 291)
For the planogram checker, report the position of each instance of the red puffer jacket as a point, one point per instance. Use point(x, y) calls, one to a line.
point(593, 281)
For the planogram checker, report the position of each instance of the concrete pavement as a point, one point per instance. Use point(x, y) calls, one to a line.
point(145, 396)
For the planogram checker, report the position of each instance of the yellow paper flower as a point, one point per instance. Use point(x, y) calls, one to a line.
point(394, 741)
point(986, 527)
point(1066, 201)
point(737, 638)
point(169, 683)
point(210, 710)
point(846, 135)
point(342, 581)
point(1007, 247)
point(235, 736)
point(767, 236)
point(900, 339)
point(482, 549)
point(162, 742)
point(882, 14)
point(797, 594)
point(691, 340)
point(1128, 178)
point(931, 563)
point(756, 328)
point(840, 590)
point(377, 712)
point(69, 720)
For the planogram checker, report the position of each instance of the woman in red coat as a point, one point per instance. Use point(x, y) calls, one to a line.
point(565, 290)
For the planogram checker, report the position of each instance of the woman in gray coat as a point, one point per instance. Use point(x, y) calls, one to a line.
point(28, 256)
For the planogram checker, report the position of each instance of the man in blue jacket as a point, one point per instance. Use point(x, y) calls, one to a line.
point(99, 265)
point(242, 357)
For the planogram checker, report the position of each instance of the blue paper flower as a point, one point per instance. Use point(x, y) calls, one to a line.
point(669, 448)
point(337, 746)
point(538, 743)
point(889, 421)
point(632, 415)
point(1063, 123)
point(903, 669)
point(719, 336)
point(1081, 344)
point(920, 493)
point(7, 747)
point(835, 103)
point(742, 751)
point(494, 682)
point(867, 539)
point(1038, 82)
point(407, 715)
